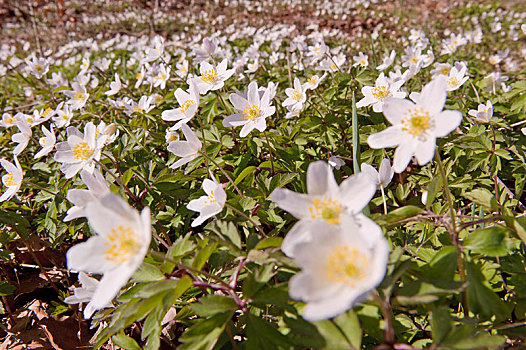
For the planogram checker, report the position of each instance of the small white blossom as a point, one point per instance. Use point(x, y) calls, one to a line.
point(208, 205)
point(188, 150)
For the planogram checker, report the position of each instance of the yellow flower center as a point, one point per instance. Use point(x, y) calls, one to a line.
point(46, 112)
point(333, 66)
point(414, 59)
point(416, 122)
point(138, 109)
point(186, 104)
point(210, 200)
point(9, 119)
point(346, 265)
point(8, 180)
point(82, 151)
point(380, 92)
point(161, 76)
point(79, 96)
point(327, 209)
point(312, 80)
point(445, 70)
point(138, 76)
point(453, 81)
point(296, 95)
point(39, 68)
point(210, 76)
point(123, 244)
point(42, 141)
point(251, 112)
point(173, 137)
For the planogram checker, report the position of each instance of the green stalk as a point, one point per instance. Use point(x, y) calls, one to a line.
point(460, 260)
point(356, 144)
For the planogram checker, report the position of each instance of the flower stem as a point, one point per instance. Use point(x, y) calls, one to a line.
point(260, 230)
point(270, 153)
point(224, 173)
point(204, 141)
point(383, 198)
point(460, 260)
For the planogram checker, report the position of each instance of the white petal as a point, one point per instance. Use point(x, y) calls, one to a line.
point(446, 121)
point(320, 179)
point(390, 137)
point(356, 192)
point(296, 204)
point(89, 256)
point(425, 151)
point(403, 155)
point(110, 285)
point(434, 95)
point(396, 108)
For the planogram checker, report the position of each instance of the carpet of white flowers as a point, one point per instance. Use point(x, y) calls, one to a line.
point(285, 174)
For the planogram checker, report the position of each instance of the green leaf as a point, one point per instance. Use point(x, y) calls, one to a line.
point(148, 273)
point(125, 342)
point(483, 197)
point(263, 335)
point(6, 288)
point(402, 214)
point(213, 304)
point(481, 299)
point(334, 337)
point(205, 332)
point(490, 241)
point(441, 323)
point(203, 255)
point(272, 242)
point(349, 325)
point(247, 171)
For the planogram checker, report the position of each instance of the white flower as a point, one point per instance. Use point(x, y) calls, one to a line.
point(484, 112)
point(47, 142)
point(122, 241)
point(335, 162)
point(208, 205)
point(97, 188)
point(313, 82)
point(387, 61)
point(8, 120)
point(252, 110)
point(12, 180)
point(188, 150)
point(207, 50)
point(78, 96)
point(39, 116)
point(38, 66)
point(115, 86)
point(80, 150)
point(182, 69)
point(212, 78)
point(189, 102)
point(63, 115)
point(296, 96)
point(153, 53)
point(325, 201)
point(162, 76)
point(382, 177)
point(416, 126)
point(340, 266)
point(441, 69)
point(376, 95)
point(140, 77)
point(85, 293)
point(361, 60)
point(456, 77)
point(145, 105)
point(22, 138)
